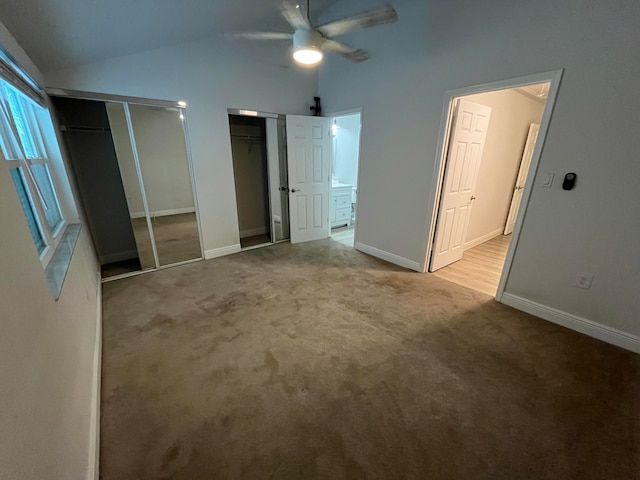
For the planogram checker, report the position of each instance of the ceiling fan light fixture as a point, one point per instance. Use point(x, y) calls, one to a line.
point(308, 56)
point(306, 47)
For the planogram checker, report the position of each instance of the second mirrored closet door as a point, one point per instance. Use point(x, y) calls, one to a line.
point(133, 172)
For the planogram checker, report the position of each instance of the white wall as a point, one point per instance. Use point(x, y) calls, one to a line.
point(46, 346)
point(511, 115)
point(346, 144)
point(440, 46)
point(210, 76)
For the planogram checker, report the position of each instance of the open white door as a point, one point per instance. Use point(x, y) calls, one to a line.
point(468, 136)
point(522, 177)
point(309, 162)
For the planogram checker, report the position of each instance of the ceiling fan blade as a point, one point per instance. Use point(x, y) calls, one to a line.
point(386, 14)
point(353, 54)
point(261, 36)
point(296, 15)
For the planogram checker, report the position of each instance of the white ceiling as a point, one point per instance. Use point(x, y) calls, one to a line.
point(539, 91)
point(63, 33)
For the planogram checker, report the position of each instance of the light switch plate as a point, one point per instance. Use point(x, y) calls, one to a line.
point(546, 180)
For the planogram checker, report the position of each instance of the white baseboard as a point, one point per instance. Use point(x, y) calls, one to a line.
point(252, 232)
point(118, 256)
point(221, 252)
point(573, 322)
point(484, 238)
point(389, 257)
point(94, 420)
point(164, 213)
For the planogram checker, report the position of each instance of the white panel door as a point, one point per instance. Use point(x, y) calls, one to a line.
point(522, 177)
point(468, 136)
point(308, 153)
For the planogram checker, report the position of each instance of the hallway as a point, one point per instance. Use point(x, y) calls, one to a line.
point(480, 267)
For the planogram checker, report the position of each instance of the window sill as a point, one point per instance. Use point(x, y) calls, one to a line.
point(56, 270)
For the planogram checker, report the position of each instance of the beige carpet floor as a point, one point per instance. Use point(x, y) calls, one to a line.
point(316, 361)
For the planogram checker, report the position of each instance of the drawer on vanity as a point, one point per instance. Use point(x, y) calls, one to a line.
point(343, 214)
point(343, 201)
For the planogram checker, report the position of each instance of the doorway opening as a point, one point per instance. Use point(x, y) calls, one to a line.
point(258, 147)
point(491, 145)
point(346, 130)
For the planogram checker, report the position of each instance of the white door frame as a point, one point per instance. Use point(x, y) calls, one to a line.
point(555, 78)
point(344, 113)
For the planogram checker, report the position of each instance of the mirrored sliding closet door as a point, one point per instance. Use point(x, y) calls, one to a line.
point(132, 168)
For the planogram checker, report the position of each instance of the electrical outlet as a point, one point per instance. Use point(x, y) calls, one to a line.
point(583, 280)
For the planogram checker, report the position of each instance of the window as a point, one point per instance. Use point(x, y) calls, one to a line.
point(23, 146)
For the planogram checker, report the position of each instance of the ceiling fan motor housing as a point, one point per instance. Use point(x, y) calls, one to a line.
point(306, 39)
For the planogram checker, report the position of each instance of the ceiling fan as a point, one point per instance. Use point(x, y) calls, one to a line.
point(310, 41)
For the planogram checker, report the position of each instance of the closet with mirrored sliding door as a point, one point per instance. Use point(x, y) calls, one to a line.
point(258, 150)
point(132, 169)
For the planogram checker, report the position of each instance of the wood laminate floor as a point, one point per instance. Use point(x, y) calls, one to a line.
point(344, 235)
point(480, 267)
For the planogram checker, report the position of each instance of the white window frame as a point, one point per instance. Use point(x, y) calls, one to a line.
point(24, 166)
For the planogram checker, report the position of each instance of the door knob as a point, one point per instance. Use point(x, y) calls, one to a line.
point(519, 188)
point(472, 198)
point(293, 190)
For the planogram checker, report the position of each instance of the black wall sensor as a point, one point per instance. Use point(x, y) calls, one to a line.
point(569, 181)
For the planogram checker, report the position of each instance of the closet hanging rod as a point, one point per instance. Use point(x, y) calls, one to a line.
point(79, 128)
point(247, 137)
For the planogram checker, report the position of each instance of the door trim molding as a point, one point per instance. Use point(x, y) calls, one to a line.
point(555, 78)
point(573, 322)
point(389, 257)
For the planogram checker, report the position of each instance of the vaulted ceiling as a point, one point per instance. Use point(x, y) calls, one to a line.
point(63, 33)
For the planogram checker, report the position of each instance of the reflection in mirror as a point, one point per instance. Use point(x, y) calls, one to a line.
point(162, 153)
point(278, 192)
point(131, 183)
point(87, 133)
